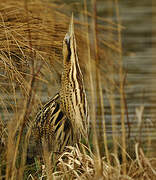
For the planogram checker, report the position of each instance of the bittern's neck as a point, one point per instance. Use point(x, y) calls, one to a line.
point(72, 92)
point(72, 88)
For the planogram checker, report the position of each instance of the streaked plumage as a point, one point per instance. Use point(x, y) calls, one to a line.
point(64, 119)
point(53, 125)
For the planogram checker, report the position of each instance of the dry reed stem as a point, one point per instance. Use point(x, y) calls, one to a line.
point(96, 56)
point(92, 107)
point(122, 102)
point(104, 124)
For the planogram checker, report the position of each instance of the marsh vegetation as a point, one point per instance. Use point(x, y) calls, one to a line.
point(31, 36)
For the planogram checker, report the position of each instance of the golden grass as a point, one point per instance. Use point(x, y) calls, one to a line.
point(31, 37)
point(73, 164)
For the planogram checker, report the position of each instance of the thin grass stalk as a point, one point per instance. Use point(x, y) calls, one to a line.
point(122, 101)
point(114, 125)
point(24, 153)
point(15, 152)
point(93, 99)
point(153, 99)
point(112, 88)
point(95, 138)
point(96, 54)
point(89, 70)
point(11, 150)
point(6, 35)
point(104, 123)
point(149, 141)
point(139, 160)
point(126, 108)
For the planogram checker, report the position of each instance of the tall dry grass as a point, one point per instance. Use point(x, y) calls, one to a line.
point(31, 37)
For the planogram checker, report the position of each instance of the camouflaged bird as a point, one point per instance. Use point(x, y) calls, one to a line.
point(64, 119)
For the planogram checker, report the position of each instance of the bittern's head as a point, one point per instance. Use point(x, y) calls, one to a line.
point(69, 44)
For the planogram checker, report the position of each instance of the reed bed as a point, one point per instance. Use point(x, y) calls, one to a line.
point(31, 37)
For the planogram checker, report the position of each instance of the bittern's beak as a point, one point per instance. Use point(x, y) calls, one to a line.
point(70, 32)
point(71, 27)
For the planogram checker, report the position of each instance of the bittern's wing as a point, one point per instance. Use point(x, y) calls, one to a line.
point(53, 126)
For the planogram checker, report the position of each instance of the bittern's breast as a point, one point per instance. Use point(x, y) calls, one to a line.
point(74, 102)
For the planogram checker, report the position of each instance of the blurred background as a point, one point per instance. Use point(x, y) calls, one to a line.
point(124, 40)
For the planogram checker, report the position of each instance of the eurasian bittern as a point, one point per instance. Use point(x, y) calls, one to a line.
point(64, 119)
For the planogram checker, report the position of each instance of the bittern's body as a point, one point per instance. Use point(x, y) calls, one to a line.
point(64, 119)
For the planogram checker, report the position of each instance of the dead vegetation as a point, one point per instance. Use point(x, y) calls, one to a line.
point(31, 35)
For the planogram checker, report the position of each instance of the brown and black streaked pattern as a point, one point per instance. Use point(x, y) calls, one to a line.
point(64, 119)
point(72, 92)
point(53, 126)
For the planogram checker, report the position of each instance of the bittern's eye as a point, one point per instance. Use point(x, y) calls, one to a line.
point(68, 48)
point(67, 39)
